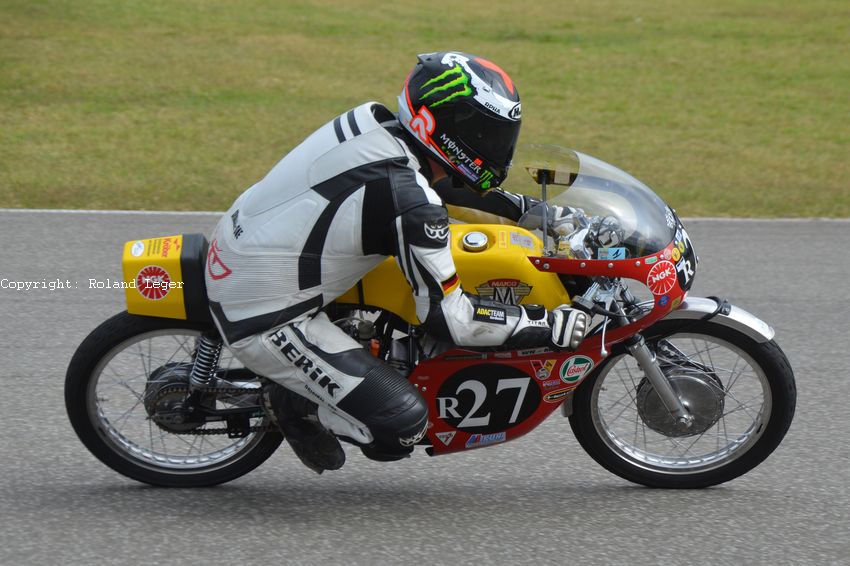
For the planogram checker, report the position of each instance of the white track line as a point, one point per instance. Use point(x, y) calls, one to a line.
point(112, 212)
point(214, 213)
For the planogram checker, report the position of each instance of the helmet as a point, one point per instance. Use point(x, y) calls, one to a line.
point(465, 112)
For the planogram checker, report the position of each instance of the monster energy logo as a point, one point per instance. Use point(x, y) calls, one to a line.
point(456, 79)
point(484, 181)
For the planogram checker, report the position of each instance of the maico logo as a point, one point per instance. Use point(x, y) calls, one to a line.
point(447, 86)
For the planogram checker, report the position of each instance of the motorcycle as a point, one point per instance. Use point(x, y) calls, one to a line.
point(666, 390)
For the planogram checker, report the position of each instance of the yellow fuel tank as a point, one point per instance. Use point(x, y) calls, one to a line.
point(491, 260)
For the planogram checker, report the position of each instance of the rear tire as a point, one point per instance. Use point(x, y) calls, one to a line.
point(745, 390)
point(105, 398)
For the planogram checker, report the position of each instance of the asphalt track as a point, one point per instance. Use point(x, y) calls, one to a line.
point(537, 500)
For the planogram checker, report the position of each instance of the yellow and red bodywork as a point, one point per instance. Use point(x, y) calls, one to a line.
point(502, 264)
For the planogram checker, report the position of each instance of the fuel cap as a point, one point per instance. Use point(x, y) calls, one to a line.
point(475, 241)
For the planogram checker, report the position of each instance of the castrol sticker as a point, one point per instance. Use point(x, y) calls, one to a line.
point(575, 368)
point(153, 282)
point(661, 278)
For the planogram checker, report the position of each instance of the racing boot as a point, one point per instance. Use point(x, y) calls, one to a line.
point(315, 446)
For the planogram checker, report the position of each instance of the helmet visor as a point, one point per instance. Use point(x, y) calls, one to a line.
point(493, 138)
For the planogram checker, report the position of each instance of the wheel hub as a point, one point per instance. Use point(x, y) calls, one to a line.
point(701, 393)
point(165, 397)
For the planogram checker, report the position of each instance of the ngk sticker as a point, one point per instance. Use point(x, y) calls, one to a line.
point(153, 282)
point(661, 278)
point(575, 368)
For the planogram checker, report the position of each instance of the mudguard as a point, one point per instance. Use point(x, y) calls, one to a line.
point(726, 314)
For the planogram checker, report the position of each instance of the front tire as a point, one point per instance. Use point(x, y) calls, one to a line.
point(743, 392)
point(105, 396)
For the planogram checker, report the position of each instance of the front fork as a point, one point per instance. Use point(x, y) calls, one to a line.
point(636, 346)
point(646, 359)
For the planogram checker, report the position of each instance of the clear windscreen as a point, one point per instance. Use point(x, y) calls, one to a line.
point(616, 216)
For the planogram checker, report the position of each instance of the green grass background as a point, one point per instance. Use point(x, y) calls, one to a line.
point(726, 108)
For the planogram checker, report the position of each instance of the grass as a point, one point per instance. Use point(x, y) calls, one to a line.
point(726, 108)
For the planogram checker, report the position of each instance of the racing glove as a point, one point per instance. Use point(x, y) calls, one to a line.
point(563, 327)
point(568, 327)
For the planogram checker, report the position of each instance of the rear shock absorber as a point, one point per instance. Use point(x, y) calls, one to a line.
point(206, 362)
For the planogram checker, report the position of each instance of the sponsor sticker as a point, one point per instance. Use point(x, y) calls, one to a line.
point(676, 254)
point(532, 352)
point(446, 437)
point(576, 368)
point(138, 248)
point(153, 282)
point(522, 240)
point(669, 218)
point(551, 383)
point(555, 396)
point(611, 253)
point(661, 278)
point(651, 260)
point(168, 244)
point(490, 314)
point(543, 368)
point(484, 439)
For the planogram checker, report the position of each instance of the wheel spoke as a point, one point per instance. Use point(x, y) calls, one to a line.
point(716, 366)
point(121, 388)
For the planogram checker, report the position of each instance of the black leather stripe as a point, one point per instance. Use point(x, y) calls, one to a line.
point(338, 129)
point(310, 261)
point(378, 218)
point(435, 290)
point(333, 187)
point(407, 194)
point(352, 123)
point(237, 330)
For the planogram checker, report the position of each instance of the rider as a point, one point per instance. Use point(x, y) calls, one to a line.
point(363, 187)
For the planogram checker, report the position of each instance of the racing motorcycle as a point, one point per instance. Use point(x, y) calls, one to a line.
point(666, 390)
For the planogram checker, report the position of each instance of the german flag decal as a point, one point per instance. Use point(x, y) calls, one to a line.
point(450, 284)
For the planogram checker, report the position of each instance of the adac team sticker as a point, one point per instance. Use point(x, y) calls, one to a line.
point(153, 282)
point(575, 368)
point(661, 278)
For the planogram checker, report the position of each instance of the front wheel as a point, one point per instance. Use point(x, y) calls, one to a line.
point(128, 370)
point(741, 393)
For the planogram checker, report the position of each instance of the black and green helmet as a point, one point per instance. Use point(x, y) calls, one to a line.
point(465, 111)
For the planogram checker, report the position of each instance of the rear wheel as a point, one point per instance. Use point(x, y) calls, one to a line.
point(132, 368)
point(741, 393)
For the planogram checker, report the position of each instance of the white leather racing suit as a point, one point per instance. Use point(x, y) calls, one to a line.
point(330, 211)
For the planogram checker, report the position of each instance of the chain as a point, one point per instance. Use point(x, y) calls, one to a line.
point(216, 391)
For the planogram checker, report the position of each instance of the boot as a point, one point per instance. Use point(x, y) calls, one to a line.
point(314, 445)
